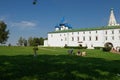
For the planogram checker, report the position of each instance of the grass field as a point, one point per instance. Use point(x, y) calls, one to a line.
point(18, 63)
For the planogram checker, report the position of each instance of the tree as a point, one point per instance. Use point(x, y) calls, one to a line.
point(25, 42)
point(41, 41)
point(3, 32)
point(20, 41)
point(30, 41)
point(36, 42)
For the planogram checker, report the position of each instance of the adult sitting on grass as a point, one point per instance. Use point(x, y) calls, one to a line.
point(70, 51)
point(78, 53)
point(35, 49)
point(83, 53)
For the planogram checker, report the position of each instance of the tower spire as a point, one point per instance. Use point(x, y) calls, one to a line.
point(112, 20)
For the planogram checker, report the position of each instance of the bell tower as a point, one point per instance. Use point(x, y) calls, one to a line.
point(112, 20)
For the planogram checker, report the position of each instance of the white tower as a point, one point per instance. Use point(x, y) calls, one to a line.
point(112, 20)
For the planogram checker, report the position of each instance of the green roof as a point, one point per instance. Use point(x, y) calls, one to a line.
point(87, 29)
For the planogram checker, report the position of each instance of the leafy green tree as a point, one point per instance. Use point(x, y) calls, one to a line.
point(36, 42)
point(25, 42)
point(20, 41)
point(3, 32)
point(41, 41)
point(30, 41)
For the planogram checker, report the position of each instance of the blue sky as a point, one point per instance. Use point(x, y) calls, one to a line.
point(28, 20)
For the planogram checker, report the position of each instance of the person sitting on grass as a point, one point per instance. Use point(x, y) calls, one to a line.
point(83, 53)
point(70, 51)
point(78, 53)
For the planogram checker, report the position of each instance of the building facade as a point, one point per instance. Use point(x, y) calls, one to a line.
point(64, 35)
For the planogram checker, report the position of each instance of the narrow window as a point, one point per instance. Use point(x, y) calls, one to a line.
point(96, 38)
point(105, 32)
point(51, 35)
point(112, 31)
point(106, 38)
point(83, 38)
point(96, 31)
point(90, 32)
point(72, 38)
point(90, 38)
point(83, 32)
point(112, 37)
point(77, 38)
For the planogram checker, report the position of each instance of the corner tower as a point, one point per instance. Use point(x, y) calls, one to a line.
point(112, 20)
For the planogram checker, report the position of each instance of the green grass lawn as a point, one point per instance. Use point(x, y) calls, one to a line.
point(18, 63)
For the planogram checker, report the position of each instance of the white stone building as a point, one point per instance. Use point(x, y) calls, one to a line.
point(90, 37)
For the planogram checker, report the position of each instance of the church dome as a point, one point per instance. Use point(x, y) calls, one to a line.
point(56, 26)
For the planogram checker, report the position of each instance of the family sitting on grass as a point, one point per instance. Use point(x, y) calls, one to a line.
point(79, 53)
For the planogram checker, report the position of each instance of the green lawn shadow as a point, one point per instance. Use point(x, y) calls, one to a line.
point(58, 67)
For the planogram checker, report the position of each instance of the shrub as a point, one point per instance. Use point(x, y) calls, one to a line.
point(98, 47)
point(75, 47)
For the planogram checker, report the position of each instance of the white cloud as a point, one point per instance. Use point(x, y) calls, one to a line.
point(23, 24)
